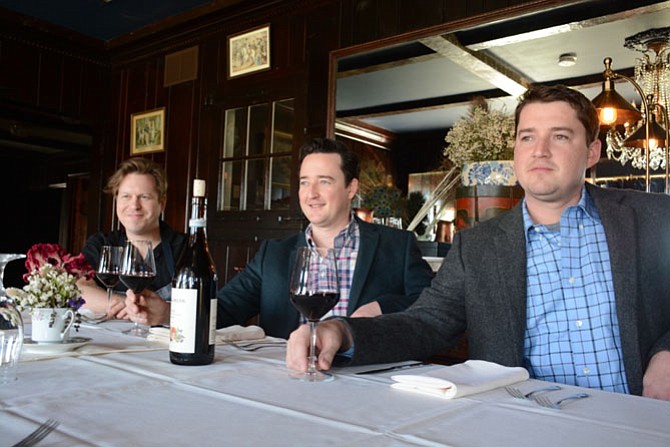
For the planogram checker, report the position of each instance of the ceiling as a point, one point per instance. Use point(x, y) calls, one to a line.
point(426, 84)
point(103, 19)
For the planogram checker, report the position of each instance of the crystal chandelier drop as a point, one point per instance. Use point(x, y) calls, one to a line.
point(652, 69)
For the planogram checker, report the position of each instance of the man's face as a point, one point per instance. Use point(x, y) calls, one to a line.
point(324, 197)
point(551, 154)
point(138, 206)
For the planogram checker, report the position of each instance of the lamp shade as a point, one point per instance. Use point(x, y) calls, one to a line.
point(613, 108)
point(639, 137)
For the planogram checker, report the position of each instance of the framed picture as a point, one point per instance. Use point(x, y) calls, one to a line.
point(147, 131)
point(249, 52)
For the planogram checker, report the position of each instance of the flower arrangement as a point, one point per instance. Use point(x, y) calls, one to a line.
point(482, 135)
point(51, 279)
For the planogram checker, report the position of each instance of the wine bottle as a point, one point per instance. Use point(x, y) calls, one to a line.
point(193, 308)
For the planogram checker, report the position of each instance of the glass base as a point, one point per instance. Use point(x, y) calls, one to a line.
point(137, 331)
point(316, 376)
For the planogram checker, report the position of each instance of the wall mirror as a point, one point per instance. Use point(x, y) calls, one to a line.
point(424, 81)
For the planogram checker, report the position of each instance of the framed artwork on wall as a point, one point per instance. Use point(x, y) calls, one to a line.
point(147, 132)
point(249, 52)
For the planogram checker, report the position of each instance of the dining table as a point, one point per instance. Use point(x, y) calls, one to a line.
point(114, 389)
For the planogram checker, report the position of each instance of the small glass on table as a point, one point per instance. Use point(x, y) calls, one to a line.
point(138, 270)
point(314, 290)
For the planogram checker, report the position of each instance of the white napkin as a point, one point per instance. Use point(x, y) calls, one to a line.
point(471, 377)
point(230, 333)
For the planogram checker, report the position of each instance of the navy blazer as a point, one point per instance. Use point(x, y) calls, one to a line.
point(389, 269)
point(481, 286)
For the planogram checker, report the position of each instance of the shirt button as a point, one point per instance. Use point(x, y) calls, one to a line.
point(571, 280)
point(581, 226)
point(579, 323)
point(586, 370)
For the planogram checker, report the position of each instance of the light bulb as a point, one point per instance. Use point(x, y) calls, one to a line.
point(608, 115)
point(653, 143)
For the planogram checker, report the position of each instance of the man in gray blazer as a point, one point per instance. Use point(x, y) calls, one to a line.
point(572, 284)
point(381, 266)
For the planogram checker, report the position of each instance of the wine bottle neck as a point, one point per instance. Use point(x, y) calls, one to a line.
point(198, 219)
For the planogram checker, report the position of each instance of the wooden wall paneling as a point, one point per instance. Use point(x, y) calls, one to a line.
point(322, 37)
point(50, 90)
point(93, 106)
point(181, 124)
point(20, 73)
point(412, 14)
point(73, 82)
point(455, 10)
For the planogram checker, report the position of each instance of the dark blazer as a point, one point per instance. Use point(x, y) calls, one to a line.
point(389, 269)
point(481, 286)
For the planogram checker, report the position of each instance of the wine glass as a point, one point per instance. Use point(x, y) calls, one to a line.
point(314, 290)
point(138, 270)
point(108, 270)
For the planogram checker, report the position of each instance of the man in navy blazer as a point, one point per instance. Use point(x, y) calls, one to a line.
point(572, 284)
point(388, 270)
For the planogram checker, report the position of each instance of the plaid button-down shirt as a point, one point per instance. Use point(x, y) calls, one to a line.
point(346, 246)
point(572, 333)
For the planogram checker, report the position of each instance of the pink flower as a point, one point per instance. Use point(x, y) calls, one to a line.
point(54, 254)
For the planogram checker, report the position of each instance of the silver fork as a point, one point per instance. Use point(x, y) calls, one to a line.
point(545, 402)
point(251, 347)
point(517, 393)
point(40, 433)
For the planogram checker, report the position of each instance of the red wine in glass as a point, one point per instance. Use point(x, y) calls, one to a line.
point(137, 283)
point(109, 280)
point(314, 307)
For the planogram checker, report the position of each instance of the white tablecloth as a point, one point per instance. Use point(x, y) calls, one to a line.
point(138, 397)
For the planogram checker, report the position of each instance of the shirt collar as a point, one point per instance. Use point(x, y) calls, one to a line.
point(347, 233)
point(585, 203)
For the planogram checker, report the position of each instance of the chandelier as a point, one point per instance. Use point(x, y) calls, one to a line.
point(644, 142)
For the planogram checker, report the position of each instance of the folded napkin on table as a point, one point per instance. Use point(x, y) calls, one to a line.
point(230, 333)
point(471, 377)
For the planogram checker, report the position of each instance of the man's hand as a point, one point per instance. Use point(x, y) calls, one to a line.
point(656, 381)
point(332, 336)
point(372, 309)
point(147, 308)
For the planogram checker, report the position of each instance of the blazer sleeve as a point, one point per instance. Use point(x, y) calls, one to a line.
point(417, 275)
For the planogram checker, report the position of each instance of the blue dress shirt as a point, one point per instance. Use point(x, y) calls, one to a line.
point(572, 333)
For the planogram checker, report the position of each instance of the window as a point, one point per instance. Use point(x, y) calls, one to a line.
point(256, 157)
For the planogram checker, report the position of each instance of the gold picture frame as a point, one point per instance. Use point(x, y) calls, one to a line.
point(249, 52)
point(147, 132)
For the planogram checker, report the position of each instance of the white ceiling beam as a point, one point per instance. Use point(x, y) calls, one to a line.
point(479, 64)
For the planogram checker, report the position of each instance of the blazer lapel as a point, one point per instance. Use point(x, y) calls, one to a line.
point(367, 250)
point(510, 249)
point(622, 233)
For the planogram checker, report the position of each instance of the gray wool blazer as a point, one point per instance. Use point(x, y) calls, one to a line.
point(481, 287)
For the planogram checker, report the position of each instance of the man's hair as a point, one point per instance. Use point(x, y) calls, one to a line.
point(350, 165)
point(138, 165)
point(586, 112)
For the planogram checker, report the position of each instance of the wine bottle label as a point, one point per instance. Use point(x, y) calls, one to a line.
point(182, 320)
point(212, 321)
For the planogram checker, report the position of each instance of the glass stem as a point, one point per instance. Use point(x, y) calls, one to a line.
point(109, 301)
point(311, 369)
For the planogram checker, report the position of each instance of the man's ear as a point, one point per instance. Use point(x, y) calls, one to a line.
point(353, 188)
point(594, 153)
